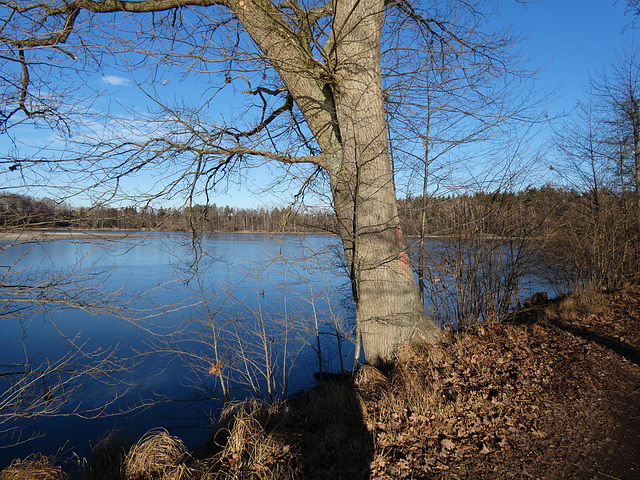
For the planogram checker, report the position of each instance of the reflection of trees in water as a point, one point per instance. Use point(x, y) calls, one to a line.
point(52, 295)
point(259, 323)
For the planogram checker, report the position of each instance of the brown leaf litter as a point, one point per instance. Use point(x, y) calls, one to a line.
point(556, 398)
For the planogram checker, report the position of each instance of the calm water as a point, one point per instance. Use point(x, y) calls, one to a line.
point(163, 302)
point(174, 313)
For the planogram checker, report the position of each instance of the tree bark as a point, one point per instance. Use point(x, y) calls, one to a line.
point(343, 104)
point(389, 306)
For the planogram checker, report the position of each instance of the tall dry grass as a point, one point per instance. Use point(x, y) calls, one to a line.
point(415, 384)
point(107, 458)
point(251, 435)
point(576, 305)
point(315, 434)
point(34, 467)
point(157, 455)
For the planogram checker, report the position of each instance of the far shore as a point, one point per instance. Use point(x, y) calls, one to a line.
point(30, 235)
point(44, 235)
point(52, 235)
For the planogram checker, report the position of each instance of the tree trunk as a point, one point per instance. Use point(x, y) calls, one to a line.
point(389, 308)
point(343, 105)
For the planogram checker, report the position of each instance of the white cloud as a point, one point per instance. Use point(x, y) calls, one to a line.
point(117, 81)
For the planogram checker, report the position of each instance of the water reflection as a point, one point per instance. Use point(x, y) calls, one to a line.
point(140, 291)
point(194, 322)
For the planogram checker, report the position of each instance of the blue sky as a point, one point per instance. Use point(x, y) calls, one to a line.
point(568, 39)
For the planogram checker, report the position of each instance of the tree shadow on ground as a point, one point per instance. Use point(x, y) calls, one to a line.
point(539, 313)
point(334, 441)
point(609, 342)
point(318, 433)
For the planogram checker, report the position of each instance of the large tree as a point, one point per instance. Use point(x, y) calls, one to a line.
point(321, 75)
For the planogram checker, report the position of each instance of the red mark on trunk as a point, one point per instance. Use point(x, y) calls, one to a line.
point(404, 261)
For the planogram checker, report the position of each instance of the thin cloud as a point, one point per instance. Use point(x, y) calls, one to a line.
point(116, 81)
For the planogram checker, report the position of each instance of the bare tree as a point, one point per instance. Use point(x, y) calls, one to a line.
point(633, 8)
point(313, 73)
point(459, 121)
point(600, 152)
point(617, 99)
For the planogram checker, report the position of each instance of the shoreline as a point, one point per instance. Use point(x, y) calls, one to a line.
point(46, 235)
point(35, 235)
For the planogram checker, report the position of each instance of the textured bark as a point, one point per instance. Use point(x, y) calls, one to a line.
point(343, 104)
point(389, 306)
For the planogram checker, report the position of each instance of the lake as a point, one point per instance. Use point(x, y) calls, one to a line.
point(169, 328)
point(181, 315)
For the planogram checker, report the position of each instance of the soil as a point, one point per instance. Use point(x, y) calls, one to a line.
point(549, 394)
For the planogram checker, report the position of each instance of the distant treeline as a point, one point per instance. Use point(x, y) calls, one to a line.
point(496, 213)
point(595, 233)
point(19, 211)
point(534, 211)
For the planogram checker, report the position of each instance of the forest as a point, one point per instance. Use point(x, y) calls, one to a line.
point(590, 237)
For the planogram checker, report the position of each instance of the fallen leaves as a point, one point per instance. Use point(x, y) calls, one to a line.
point(447, 444)
point(215, 368)
point(501, 401)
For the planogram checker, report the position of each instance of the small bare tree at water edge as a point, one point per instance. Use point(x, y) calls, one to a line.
point(255, 322)
point(322, 319)
point(485, 245)
point(267, 348)
point(598, 242)
point(240, 338)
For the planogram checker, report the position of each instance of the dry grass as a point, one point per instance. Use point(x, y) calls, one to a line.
point(248, 434)
point(570, 307)
point(157, 455)
point(369, 380)
point(577, 305)
point(33, 467)
point(107, 458)
point(416, 383)
point(319, 434)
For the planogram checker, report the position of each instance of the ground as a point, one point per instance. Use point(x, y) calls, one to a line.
point(553, 392)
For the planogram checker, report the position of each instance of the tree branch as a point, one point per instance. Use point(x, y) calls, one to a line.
point(287, 106)
point(319, 160)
